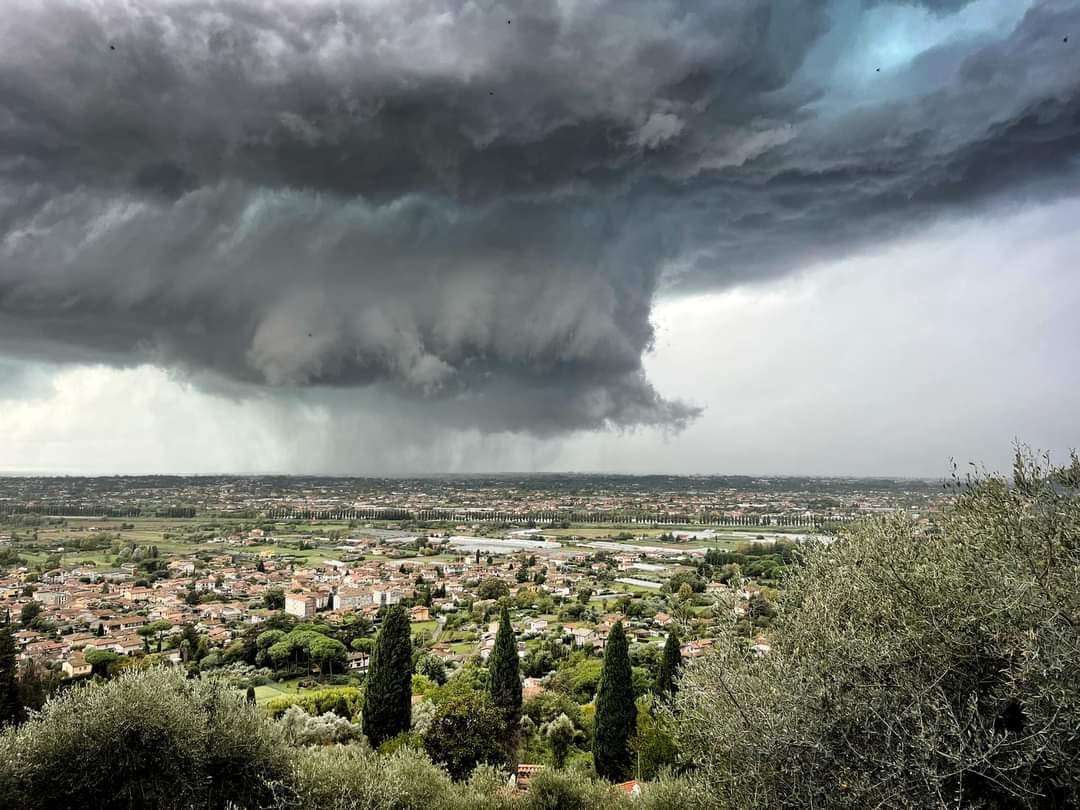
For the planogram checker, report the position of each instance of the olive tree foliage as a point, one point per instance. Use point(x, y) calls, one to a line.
point(302, 728)
point(149, 738)
point(568, 790)
point(355, 778)
point(153, 738)
point(560, 735)
point(911, 667)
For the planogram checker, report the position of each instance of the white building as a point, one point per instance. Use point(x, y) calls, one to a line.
point(52, 598)
point(351, 598)
point(301, 605)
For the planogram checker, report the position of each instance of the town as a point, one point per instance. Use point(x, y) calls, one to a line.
point(207, 575)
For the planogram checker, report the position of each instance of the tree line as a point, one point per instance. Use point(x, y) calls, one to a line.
point(557, 518)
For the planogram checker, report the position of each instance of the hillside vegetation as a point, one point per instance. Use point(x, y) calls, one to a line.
point(911, 668)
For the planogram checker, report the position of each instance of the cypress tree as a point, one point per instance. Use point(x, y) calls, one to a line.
point(616, 713)
point(388, 691)
point(505, 681)
point(669, 666)
point(341, 708)
point(10, 705)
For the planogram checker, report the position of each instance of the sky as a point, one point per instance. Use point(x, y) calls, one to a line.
point(395, 237)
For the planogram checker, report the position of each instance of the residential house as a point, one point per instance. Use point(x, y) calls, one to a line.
point(76, 666)
point(419, 614)
point(128, 645)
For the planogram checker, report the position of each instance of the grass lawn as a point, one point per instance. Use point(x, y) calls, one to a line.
point(267, 692)
point(274, 689)
point(593, 533)
point(420, 627)
point(623, 587)
point(182, 531)
point(460, 635)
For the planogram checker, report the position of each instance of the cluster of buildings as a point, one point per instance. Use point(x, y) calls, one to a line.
point(783, 501)
point(86, 607)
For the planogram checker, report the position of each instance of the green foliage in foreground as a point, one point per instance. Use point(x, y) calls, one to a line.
point(153, 738)
point(149, 738)
point(911, 668)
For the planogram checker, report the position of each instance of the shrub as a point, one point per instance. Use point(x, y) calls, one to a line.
point(580, 679)
point(319, 701)
point(912, 668)
point(487, 789)
point(674, 793)
point(406, 739)
point(422, 715)
point(354, 778)
point(560, 735)
point(565, 790)
point(149, 738)
point(548, 705)
point(302, 729)
point(465, 731)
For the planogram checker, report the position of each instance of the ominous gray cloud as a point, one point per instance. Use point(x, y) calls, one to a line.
point(476, 215)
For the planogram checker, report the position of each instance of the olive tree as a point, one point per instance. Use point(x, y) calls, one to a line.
point(148, 738)
point(912, 665)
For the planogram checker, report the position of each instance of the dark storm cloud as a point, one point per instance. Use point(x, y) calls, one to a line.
point(937, 6)
point(465, 213)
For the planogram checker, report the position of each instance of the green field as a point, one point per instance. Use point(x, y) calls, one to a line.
point(182, 537)
point(623, 587)
point(271, 690)
point(172, 536)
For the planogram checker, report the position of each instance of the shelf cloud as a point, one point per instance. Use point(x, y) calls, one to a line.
point(477, 218)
